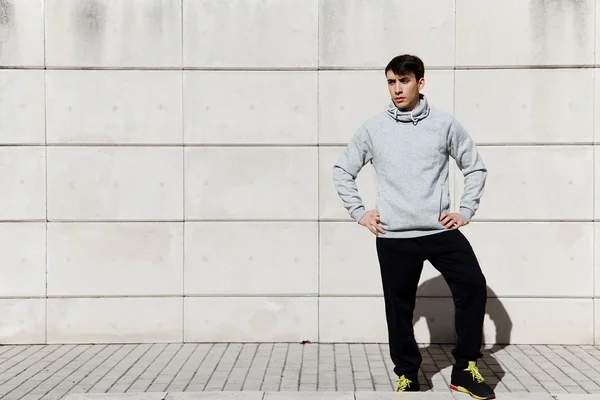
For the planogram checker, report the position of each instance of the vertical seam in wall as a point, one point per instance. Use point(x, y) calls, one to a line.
point(594, 176)
point(318, 181)
point(46, 184)
point(183, 187)
point(454, 60)
point(454, 207)
point(594, 223)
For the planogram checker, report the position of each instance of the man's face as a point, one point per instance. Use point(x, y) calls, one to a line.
point(404, 89)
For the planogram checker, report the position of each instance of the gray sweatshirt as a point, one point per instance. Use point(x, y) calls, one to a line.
point(409, 152)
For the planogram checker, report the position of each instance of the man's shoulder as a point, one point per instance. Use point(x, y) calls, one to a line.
point(440, 115)
point(373, 123)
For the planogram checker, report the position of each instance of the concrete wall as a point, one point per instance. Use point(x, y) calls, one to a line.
point(165, 166)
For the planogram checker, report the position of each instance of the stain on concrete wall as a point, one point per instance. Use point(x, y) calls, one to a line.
point(553, 20)
point(160, 16)
point(89, 18)
point(6, 12)
point(7, 31)
point(115, 31)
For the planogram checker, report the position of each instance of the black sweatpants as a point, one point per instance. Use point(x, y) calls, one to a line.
point(401, 262)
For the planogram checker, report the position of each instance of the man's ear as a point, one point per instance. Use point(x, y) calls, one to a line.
point(421, 83)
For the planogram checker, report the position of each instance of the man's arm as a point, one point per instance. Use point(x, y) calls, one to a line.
point(346, 169)
point(462, 148)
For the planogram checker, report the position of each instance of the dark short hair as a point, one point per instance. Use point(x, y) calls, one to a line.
point(405, 64)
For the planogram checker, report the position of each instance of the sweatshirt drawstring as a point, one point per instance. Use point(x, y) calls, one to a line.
point(415, 115)
point(414, 120)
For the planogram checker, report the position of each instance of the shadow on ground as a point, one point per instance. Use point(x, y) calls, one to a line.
point(435, 306)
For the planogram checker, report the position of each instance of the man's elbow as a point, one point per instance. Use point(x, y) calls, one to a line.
point(477, 170)
point(340, 173)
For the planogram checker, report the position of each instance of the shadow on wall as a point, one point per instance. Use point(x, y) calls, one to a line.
point(438, 313)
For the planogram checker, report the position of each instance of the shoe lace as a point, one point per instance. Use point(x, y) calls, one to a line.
point(472, 368)
point(403, 383)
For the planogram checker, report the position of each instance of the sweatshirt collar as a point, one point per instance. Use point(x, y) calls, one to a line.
point(420, 112)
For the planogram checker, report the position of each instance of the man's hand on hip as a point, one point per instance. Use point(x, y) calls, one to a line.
point(371, 221)
point(453, 220)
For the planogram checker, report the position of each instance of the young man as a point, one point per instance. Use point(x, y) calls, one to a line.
point(408, 146)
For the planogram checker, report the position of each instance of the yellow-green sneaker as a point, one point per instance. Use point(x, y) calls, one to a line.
point(408, 383)
point(469, 380)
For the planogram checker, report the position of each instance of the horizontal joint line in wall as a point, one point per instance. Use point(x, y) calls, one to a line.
point(206, 69)
point(325, 220)
point(177, 145)
point(278, 295)
point(270, 145)
point(467, 67)
point(532, 220)
point(73, 221)
point(170, 296)
point(251, 145)
point(115, 145)
point(22, 144)
point(500, 144)
point(476, 220)
point(107, 296)
point(449, 297)
point(88, 68)
point(23, 221)
point(22, 67)
point(69, 221)
point(108, 221)
point(252, 220)
point(256, 295)
point(523, 297)
point(534, 144)
point(252, 69)
point(380, 68)
point(292, 69)
point(522, 67)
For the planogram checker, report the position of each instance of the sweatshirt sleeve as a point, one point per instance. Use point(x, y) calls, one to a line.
point(462, 148)
point(345, 170)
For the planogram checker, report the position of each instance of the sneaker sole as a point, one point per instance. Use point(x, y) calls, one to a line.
point(466, 391)
point(413, 389)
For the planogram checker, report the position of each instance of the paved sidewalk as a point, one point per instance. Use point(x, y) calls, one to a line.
point(269, 370)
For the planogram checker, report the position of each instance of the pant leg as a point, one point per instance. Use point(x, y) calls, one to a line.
point(451, 253)
point(401, 263)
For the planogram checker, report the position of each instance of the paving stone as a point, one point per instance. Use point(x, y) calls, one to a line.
point(309, 396)
point(115, 396)
point(405, 396)
point(216, 396)
point(512, 396)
